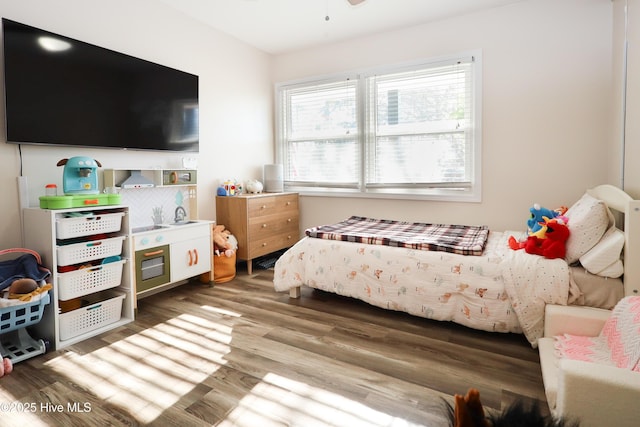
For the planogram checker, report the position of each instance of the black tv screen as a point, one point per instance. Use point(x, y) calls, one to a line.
point(66, 92)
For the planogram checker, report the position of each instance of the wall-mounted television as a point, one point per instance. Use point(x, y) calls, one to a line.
point(67, 92)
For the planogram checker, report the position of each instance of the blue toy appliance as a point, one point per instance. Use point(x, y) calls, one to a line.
point(80, 175)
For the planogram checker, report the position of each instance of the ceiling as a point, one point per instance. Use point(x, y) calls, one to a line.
point(280, 26)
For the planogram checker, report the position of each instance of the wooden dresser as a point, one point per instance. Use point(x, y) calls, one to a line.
point(262, 223)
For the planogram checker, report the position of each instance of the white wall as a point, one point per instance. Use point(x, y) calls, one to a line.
point(632, 130)
point(548, 130)
point(547, 96)
point(235, 96)
point(616, 146)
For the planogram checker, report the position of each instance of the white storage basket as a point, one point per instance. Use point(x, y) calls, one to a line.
point(88, 251)
point(67, 228)
point(88, 280)
point(105, 311)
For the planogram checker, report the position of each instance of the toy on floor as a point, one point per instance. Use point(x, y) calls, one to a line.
point(223, 241)
point(6, 367)
point(469, 412)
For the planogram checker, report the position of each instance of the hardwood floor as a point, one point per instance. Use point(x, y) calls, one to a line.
point(240, 354)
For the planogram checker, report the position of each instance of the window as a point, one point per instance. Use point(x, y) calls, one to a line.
point(411, 131)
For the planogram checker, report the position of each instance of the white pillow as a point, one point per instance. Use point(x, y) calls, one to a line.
point(588, 220)
point(614, 270)
point(606, 253)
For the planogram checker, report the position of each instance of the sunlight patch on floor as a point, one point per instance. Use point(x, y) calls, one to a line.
point(219, 310)
point(150, 371)
point(279, 401)
point(21, 419)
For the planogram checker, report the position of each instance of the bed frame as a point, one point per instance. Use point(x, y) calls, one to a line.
point(620, 202)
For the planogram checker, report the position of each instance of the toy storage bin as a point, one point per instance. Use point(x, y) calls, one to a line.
point(86, 251)
point(224, 268)
point(67, 228)
point(89, 280)
point(103, 309)
point(15, 341)
point(22, 315)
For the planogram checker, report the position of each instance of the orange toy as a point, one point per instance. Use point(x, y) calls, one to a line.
point(468, 410)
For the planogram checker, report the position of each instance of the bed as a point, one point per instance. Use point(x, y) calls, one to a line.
point(496, 289)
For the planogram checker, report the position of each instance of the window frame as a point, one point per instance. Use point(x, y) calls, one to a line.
point(441, 192)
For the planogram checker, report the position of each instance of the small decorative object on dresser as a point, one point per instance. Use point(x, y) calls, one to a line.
point(253, 186)
point(262, 223)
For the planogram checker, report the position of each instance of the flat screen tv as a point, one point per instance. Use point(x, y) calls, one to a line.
point(66, 92)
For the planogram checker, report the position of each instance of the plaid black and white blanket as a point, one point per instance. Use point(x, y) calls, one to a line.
point(458, 239)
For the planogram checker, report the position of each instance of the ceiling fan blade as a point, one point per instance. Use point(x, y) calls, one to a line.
point(355, 2)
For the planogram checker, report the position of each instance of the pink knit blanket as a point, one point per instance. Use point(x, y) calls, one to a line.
point(618, 343)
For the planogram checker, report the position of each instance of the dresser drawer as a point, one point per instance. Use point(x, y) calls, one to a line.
point(266, 245)
point(265, 226)
point(270, 205)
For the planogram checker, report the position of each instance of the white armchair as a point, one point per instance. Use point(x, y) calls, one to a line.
point(596, 394)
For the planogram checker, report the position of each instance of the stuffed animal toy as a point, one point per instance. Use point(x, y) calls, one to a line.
point(233, 242)
point(554, 245)
point(24, 289)
point(538, 213)
point(469, 412)
point(223, 241)
point(6, 367)
point(536, 224)
point(22, 286)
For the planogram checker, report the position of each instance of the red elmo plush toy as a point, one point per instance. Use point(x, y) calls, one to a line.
point(555, 243)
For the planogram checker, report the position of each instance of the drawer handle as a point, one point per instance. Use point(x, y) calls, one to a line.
point(263, 207)
point(264, 225)
point(158, 252)
point(288, 203)
point(193, 257)
point(264, 244)
point(288, 219)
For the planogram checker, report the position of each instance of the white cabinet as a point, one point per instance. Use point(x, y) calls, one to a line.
point(190, 258)
point(88, 251)
point(170, 254)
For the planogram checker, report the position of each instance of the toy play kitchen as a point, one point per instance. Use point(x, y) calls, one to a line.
point(80, 186)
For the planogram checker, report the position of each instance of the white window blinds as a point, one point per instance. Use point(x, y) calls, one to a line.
point(403, 131)
point(322, 145)
point(418, 135)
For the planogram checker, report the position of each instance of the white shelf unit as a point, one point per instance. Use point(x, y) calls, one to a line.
point(102, 232)
point(152, 177)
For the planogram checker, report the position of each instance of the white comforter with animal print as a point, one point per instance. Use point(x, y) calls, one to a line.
point(500, 291)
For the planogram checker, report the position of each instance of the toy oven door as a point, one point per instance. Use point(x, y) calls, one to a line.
point(152, 268)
